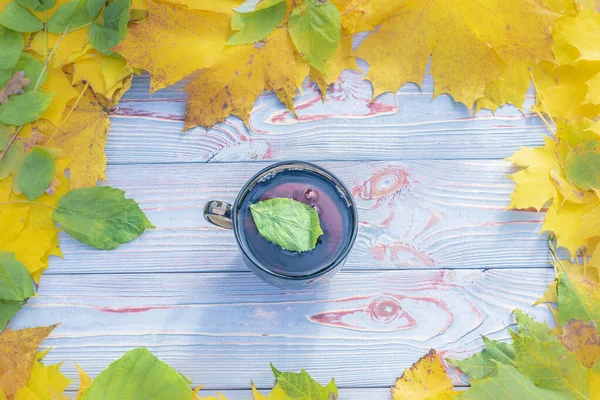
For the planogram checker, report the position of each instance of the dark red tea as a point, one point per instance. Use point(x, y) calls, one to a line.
point(318, 192)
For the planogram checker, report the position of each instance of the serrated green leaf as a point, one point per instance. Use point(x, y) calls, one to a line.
point(287, 223)
point(549, 365)
point(138, 375)
point(100, 217)
point(582, 165)
point(37, 5)
point(508, 383)
point(303, 387)
point(94, 7)
point(20, 19)
point(32, 68)
point(579, 298)
point(102, 38)
point(315, 27)
point(485, 363)
point(24, 108)
point(73, 14)
point(15, 280)
point(12, 45)
point(36, 173)
point(256, 25)
point(531, 328)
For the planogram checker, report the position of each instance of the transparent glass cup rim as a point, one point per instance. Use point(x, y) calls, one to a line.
point(298, 166)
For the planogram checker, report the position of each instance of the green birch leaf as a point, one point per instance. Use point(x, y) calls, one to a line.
point(548, 364)
point(37, 5)
point(12, 45)
point(8, 309)
point(13, 159)
point(486, 362)
point(138, 375)
point(102, 38)
point(100, 217)
point(582, 165)
point(73, 14)
point(256, 25)
point(94, 7)
point(25, 108)
point(579, 298)
point(315, 27)
point(116, 16)
point(287, 223)
point(508, 383)
point(36, 173)
point(20, 19)
point(32, 68)
point(302, 387)
point(15, 280)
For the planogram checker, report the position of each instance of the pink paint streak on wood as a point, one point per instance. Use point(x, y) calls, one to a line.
point(387, 313)
point(129, 310)
point(402, 254)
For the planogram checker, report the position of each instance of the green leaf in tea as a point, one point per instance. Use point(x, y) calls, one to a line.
point(252, 26)
point(315, 27)
point(287, 223)
point(303, 387)
point(138, 375)
point(16, 286)
point(20, 19)
point(36, 173)
point(100, 217)
point(24, 108)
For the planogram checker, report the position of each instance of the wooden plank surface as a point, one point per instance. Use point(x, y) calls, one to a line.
point(417, 214)
point(223, 329)
point(348, 126)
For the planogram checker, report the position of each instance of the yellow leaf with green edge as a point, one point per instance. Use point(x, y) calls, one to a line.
point(303, 387)
point(534, 186)
point(425, 380)
point(342, 59)
point(277, 393)
point(58, 84)
point(578, 297)
point(231, 87)
point(569, 191)
point(33, 236)
point(459, 39)
point(549, 365)
point(589, 271)
point(581, 338)
point(582, 165)
point(167, 44)
point(82, 137)
point(18, 351)
point(84, 381)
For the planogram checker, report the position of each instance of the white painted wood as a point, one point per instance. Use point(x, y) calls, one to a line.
point(223, 329)
point(417, 214)
point(348, 126)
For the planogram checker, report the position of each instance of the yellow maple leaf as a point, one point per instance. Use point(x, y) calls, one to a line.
point(82, 137)
point(582, 339)
point(222, 6)
point(58, 84)
point(174, 42)
point(72, 47)
point(33, 236)
point(594, 379)
point(47, 382)
point(18, 351)
point(196, 396)
point(277, 393)
point(461, 39)
point(105, 74)
point(84, 382)
point(231, 87)
point(425, 380)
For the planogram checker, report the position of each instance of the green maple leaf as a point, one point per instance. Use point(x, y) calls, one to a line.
point(486, 362)
point(303, 387)
point(578, 297)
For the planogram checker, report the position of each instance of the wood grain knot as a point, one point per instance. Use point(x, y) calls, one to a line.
point(384, 183)
point(385, 310)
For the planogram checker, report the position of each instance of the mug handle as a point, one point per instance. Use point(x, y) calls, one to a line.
point(218, 213)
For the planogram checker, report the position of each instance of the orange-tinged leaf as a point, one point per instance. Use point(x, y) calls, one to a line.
point(231, 87)
point(425, 380)
point(82, 137)
point(58, 84)
point(582, 339)
point(460, 39)
point(174, 42)
point(18, 350)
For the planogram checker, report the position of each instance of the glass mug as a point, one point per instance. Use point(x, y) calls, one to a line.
point(303, 182)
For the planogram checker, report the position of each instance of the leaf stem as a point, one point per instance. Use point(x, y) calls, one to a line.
point(539, 94)
point(87, 84)
point(37, 85)
point(554, 256)
point(36, 203)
